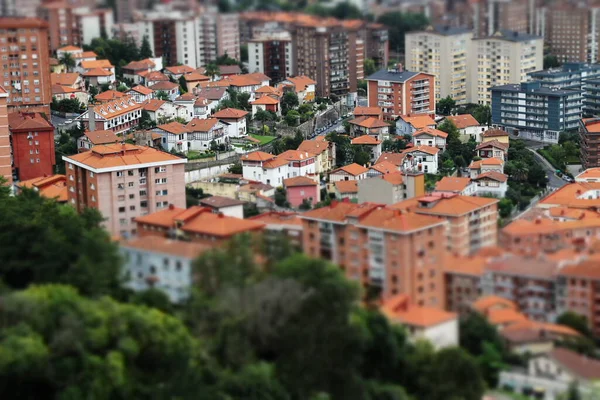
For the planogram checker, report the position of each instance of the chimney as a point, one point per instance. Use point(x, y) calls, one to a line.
point(171, 206)
point(91, 118)
point(399, 67)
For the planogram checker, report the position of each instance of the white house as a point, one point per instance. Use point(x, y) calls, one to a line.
point(430, 137)
point(235, 119)
point(202, 107)
point(247, 83)
point(351, 172)
point(304, 87)
point(161, 263)
point(135, 69)
point(201, 132)
point(370, 143)
point(433, 324)
point(421, 159)
point(300, 163)
point(492, 182)
point(454, 185)
point(225, 205)
point(468, 127)
point(174, 136)
point(266, 103)
point(187, 101)
point(72, 50)
point(346, 190)
point(98, 76)
point(406, 125)
point(170, 88)
point(140, 94)
point(91, 139)
point(492, 148)
point(486, 165)
point(265, 168)
point(160, 109)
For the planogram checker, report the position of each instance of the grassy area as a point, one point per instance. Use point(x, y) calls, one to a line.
point(196, 155)
point(263, 139)
point(573, 160)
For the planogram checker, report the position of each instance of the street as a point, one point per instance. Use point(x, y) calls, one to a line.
point(553, 180)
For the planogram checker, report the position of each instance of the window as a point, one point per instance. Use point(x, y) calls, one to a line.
point(178, 265)
point(119, 174)
point(121, 186)
point(130, 173)
point(143, 193)
point(161, 192)
point(123, 221)
point(160, 169)
point(131, 196)
point(121, 209)
point(121, 198)
point(143, 204)
point(130, 184)
point(162, 204)
point(91, 174)
point(92, 186)
point(131, 208)
point(160, 181)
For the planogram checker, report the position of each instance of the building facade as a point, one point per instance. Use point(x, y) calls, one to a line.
point(442, 52)
point(272, 56)
point(124, 181)
point(25, 66)
point(534, 112)
point(589, 133)
point(5, 148)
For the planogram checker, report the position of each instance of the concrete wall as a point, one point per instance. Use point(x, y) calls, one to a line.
point(199, 174)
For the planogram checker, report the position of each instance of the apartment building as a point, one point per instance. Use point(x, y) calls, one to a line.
point(462, 281)
point(580, 76)
point(571, 31)
point(324, 152)
point(32, 141)
point(390, 187)
point(120, 115)
point(490, 16)
point(196, 224)
point(399, 92)
point(472, 221)
point(394, 251)
point(124, 181)
point(589, 134)
point(504, 58)
point(377, 44)
point(75, 24)
point(5, 148)
point(443, 52)
point(271, 55)
point(25, 66)
point(535, 112)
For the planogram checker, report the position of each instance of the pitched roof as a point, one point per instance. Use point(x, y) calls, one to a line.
point(26, 120)
point(493, 175)
point(445, 204)
point(587, 269)
point(572, 195)
point(221, 202)
point(229, 69)
point(195, 76)
point(360, 110)
point(486, 161)
point(139, 65)
point(395, 178)
point(279, 218)
point(397, 221)
point(314, 146)
point(592, 174)
point(101, 137)
point(109, 95)
point(431, 132)
point(70, 48)
point(85, 54)
point(201, 125)
point(142, 90)
point(505, 316)
point(299, 181)
point(180, 69)
point(212, 93)
point(493, 143)
point(512, 264)
point(164, 85)
point(64, 79)
point(301, 82)
point(365, 140)
point(93, 64)
point(424, 149)
point(120, 155)
point(153, 76)
point(579, 365)
point(494, 133)
point(452, 184)
point(174, 127)
point(153, 104)
point(265, 100)
point(485, 303)
point(460, 265)
point(353, 169)
point(114, 108)
point(399, 309)
point(51, 187)
point(97, 72)
point(346, 186)
point(533, 331)
point(230, 113)
point(463, 121)
point(385, 167)
point(258, 156)
point(295, 155)
point(163, 245)
point(369, 122)
point(394, 158)
point(418, 121)
point(59, 89)
point(186, 97)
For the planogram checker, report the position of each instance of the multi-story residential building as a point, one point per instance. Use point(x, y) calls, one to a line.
point(376, 44)
point(396, 251)
point(442, 52)
point(473, 221)
point(125, 181)
point(391, 187)
point(533, 288)
point(580, 76)
point(324, 152)
point(272, 56)
point(25, 66)
point(571, 31)
point(32, 140)
point(120, 115)
point(5, 148)
point(589, 133)
point(504, 58)
point(279, 223)
point(196, 224)
point(462, 281)
point(160, 263)
point(234, 119)
point(202, 132)
point(491, 16)
point(535, 112)
point(400, 92)
point(75, 24)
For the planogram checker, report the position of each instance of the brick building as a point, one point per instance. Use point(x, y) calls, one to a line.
point(32, 141)
point(124, 181)
point(25, 66)
point(589, 132)
point(5, 149)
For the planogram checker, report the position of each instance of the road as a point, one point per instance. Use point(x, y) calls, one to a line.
point(553, 180)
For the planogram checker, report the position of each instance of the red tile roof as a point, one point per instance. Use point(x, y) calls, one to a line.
point(26, 120)
point(101, 137)
point(452, 184)
point(579, 365)
point(180, 69)
point(120, 155)
point(230, 113)
point(493, 175)
point(51, 187)
point(353, 169)
point(394, 158)
point(463, 121)
point(258, 156)
point(346, 186)
point(163, 245)
point(142, 90)
point(174, 127)
point(494, 133)
point(164, 85)
point(201, 125)
point(419, 121)
point(64, 79)
point(299, 181)
point(431, 132)
point(153, 104)
point(399, 309)
point(109, 95)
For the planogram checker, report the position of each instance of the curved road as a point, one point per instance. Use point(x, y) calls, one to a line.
point(553, 180)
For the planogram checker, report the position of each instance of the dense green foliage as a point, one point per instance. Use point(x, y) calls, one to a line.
point(67, 105)
point(118, 52)
point(526, 177)
point(398, 24)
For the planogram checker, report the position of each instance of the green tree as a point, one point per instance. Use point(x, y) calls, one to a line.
point(146, 49)
point(68, 61)
point(235, 168)
point(483, 114)
point(345, 10)
point(575, 321)
point(362, 155)
point(161, 95)
point(456, 376)
point(551, 61)
point(446, 105)
point(212, 70)
point(67, 106)
point(43, 241)
point(289, 102)
point(183, 84)
point(153, 298)
point(292, 117)
point(399, 23)
point(281, 197)
point(146, 121)
point(122, 88)
point(505, 208)
point(369, 67)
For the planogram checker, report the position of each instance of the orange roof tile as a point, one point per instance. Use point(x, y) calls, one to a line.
point(452, 184)
point(209, 223)
point(163, 245)
point(314, 146)
point(155, 76)
point(121, 155)
point(140, 65)
point(174, 127)
point(265, 100)
point(399, 309)
point(424, 149)
point(337, 211)
point(142, 90)
point(299, 181)
point(592, 174)
point(398, 221)
point(492, 143)
point(353, 169)
point(114, 108)
point(64, 79)
point(109, 95)
point(463, 121)
point(371, 123)
point(50, 187)
point(572, 195)
point(485, 303)
point(431, 132)
point(419, 121)
point(258, 156)
point(70, 48)
point(539, 327)
point(346, 186)
point(301, 82)
point(101, 137)
point(394, 158)
point(97, 72)
point(367, 111)
point(278, 218)
point(365, 140)
point(25, 120)
point(505, 316)
point(461, 265)
point(196, 77)
point(589, 269)
point(395, 178)
point(493, 175)
point(451, 204)
point(58, 89)
point(485, 161)
point(230, 113)
point(93, 64)
point(385, 167)
point(275, 163)
point(180, 69)
point(201, 125)
point(164, 85)
point(85, 54)
point(494, 133)
point(153, 104)
point(295, 155)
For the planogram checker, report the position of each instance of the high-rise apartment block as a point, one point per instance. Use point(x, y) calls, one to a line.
point(491, 16)
point(589, 133)
point(24, 64)
point(400, 92)
point(74, 24)
point(504, 58)
point(442, 52)
point(271, 55)
point(5, 149)
point(535, 112)
point(123, 182)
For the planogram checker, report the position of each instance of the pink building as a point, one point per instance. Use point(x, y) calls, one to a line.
point(123, 182)
point(300, 188)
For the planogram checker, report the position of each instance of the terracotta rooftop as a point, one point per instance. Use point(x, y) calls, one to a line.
point(279, 218)
point(485, 161)
point(494, 133)
point(258, 156)
point(486, 303)
point(153, 104)
point(70, 48)
point(463, 121)
point(423, 149)
point(50, 187)
point(338, 211)
point(358, 111)
point(180, 69)
point(452, 184)
point(579, 365)
point(353, 169)
point(465, 265)
point(186, 97)
point(532, 331)
point(121, 155)
point(587, 269)
point(344, 187)
point(164, 85)
point(505, 316)
point(142, 90)
point(101, 137)
point(369, 122)
point(395, 178)
point(313, 146)
point(301, 82)
point(394, 158)
point(295, 155)
point(431, 132)
point(109, 95)
point(590, 174)
point(265, 100)
point(115, 108)
point(196, 76)
point(230, 113)
point(572, 195)
point(384, 167)
point(493, 143)
point(445, 204)
point(220, 202)
point(201, 125)
point(493, 175)
point(27, 120)
point(163, 245)
point(155, 76)
point(299, 181)
point(139, 65)
point(398, 221)
point(96, 64)
point(512, 264)
point(399, 309)
point(64, 79)
point(174, 127)
point(419, 121)
point(58, 89)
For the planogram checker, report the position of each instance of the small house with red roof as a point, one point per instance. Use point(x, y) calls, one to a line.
point(407, 125)
point(91, 139)
point(140, 93)
point(168, 87)
point(430, 137)
point(350, 172)
point(492, 148)
point(135, 69)
point(369, 142)
point(235, 120)
point(369, 125)
point(301, 188)
point(421, 159)
point(486, 165)
point(304, 87)
point(174, 136)
point(266, 103)
point(265, 168)
point(202, 132)
point(468, 127)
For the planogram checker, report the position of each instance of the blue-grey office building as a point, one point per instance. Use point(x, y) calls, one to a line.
point(532, 111)
point(577, 76)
